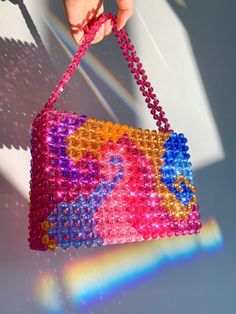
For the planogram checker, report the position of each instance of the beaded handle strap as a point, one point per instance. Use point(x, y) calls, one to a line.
point(134, 64)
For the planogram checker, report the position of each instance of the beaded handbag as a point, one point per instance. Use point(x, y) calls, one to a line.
point(97, 183)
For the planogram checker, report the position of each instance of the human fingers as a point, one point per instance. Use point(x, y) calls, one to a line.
point(100, 35)
point(80, 14)
point(108, 27)
point(126, 10)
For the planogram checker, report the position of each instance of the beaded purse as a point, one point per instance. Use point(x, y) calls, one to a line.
point(97, 183)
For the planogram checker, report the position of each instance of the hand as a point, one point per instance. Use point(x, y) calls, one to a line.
point(81, 13)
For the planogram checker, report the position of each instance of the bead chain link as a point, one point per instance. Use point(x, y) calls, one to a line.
point(134, 65)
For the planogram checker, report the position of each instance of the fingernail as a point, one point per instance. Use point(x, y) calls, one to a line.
point(120, 26)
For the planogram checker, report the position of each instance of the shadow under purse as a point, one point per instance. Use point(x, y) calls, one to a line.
point(96, 183)
point(26, 74)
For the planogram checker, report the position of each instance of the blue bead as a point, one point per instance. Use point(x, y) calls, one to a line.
point(66, 231)
point(62, 205)
point(176, 163)
point(83, 117)
point(75, 217)
point(93, 235)
point(99, 241)
point(52, 232)
point(52, 218)
point(87, 229)
point(115, 160)
point(65, 244)
point(88, 242)
point(77, 243)
point(82, 235)
point(65, 173)
point(93, 222)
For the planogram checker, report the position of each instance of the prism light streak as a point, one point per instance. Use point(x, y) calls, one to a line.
point(84, 279)
point(47, 292)
point(61, 33)
point(56, 26)
point(150, 36)
point(89, 278)
point(105, 75)
point(87, 78)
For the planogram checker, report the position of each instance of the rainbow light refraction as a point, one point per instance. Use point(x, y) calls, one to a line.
point(47, 293)
point(89, 278)
point(61, 34)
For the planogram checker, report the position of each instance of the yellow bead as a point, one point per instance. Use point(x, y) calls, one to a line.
point(92, 120)
point(45, 239)
point(52, 245)
point(46, 225)
point(109, 124)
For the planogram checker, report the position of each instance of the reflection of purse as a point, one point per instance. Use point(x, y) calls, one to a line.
point(95, 182)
